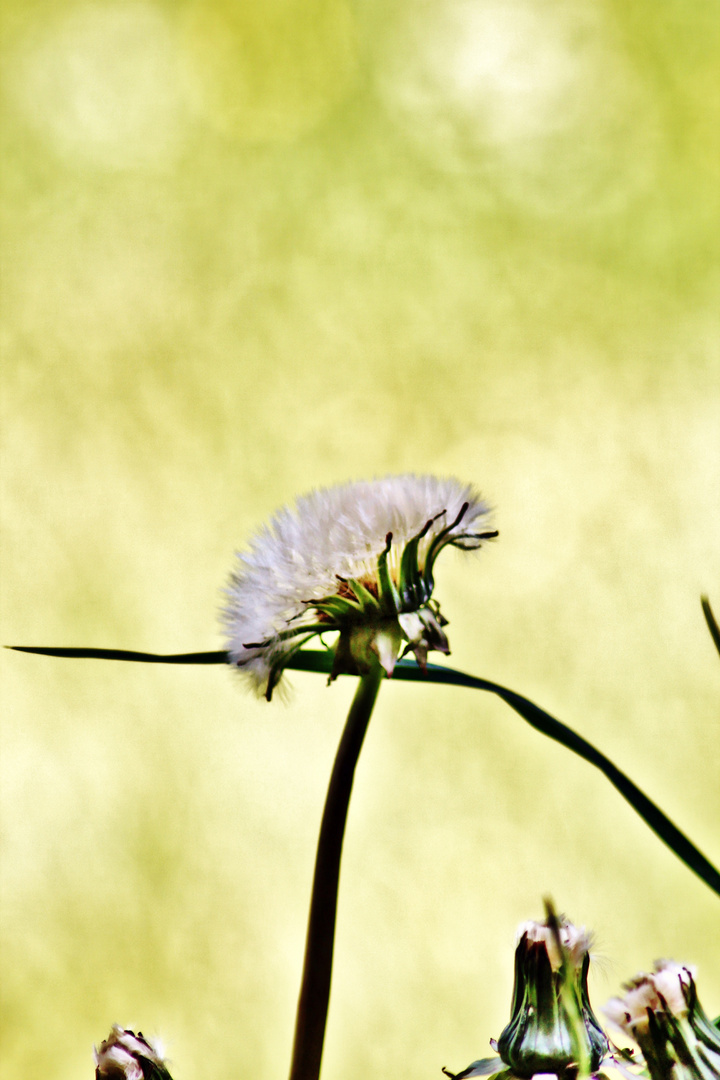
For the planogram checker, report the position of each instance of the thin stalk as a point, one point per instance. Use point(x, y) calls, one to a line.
point(317, 970)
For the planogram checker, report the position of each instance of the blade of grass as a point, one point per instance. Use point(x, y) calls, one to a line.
point(125, 654)
point(542, 721)
point(321, 661)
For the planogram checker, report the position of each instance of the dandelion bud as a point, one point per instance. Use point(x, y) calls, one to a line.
point(662, 1013)
point(127, 1056)
point(553, 1032)
point(552, 1024)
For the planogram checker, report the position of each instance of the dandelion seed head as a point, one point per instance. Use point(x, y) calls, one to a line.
point(313, 554)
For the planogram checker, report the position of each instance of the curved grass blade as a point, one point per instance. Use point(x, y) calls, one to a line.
point(662, 826)
point(321, 661)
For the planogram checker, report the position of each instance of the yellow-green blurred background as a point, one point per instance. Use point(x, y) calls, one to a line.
point(257, 247)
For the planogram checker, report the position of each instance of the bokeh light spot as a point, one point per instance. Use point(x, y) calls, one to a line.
point(100, 85)
point(538, 100)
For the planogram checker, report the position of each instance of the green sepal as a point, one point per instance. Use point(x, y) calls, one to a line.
point(285, 656)
point(339, 608)
point(304, 628)
point(368, 603)
point(388, 597)
point(705, 1030)
point(654, 1043)
point(436, 547)
point(484, 1067)
point(412, 585)
point(461, 541)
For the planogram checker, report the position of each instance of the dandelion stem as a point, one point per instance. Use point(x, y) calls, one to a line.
point(317, 970)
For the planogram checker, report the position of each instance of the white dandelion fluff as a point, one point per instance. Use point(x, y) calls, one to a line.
point(356, 558)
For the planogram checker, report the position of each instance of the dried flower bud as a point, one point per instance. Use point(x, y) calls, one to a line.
point(553, 1031)
point(127, 1056)
point(552, 1022)
point(662, 1013)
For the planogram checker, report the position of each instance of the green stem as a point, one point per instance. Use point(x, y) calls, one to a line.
point(317, 970)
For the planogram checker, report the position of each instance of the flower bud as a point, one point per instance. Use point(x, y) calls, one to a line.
point(552, 1027)
point(127, 1056)
point(662, 1013)
point(553, 1032)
